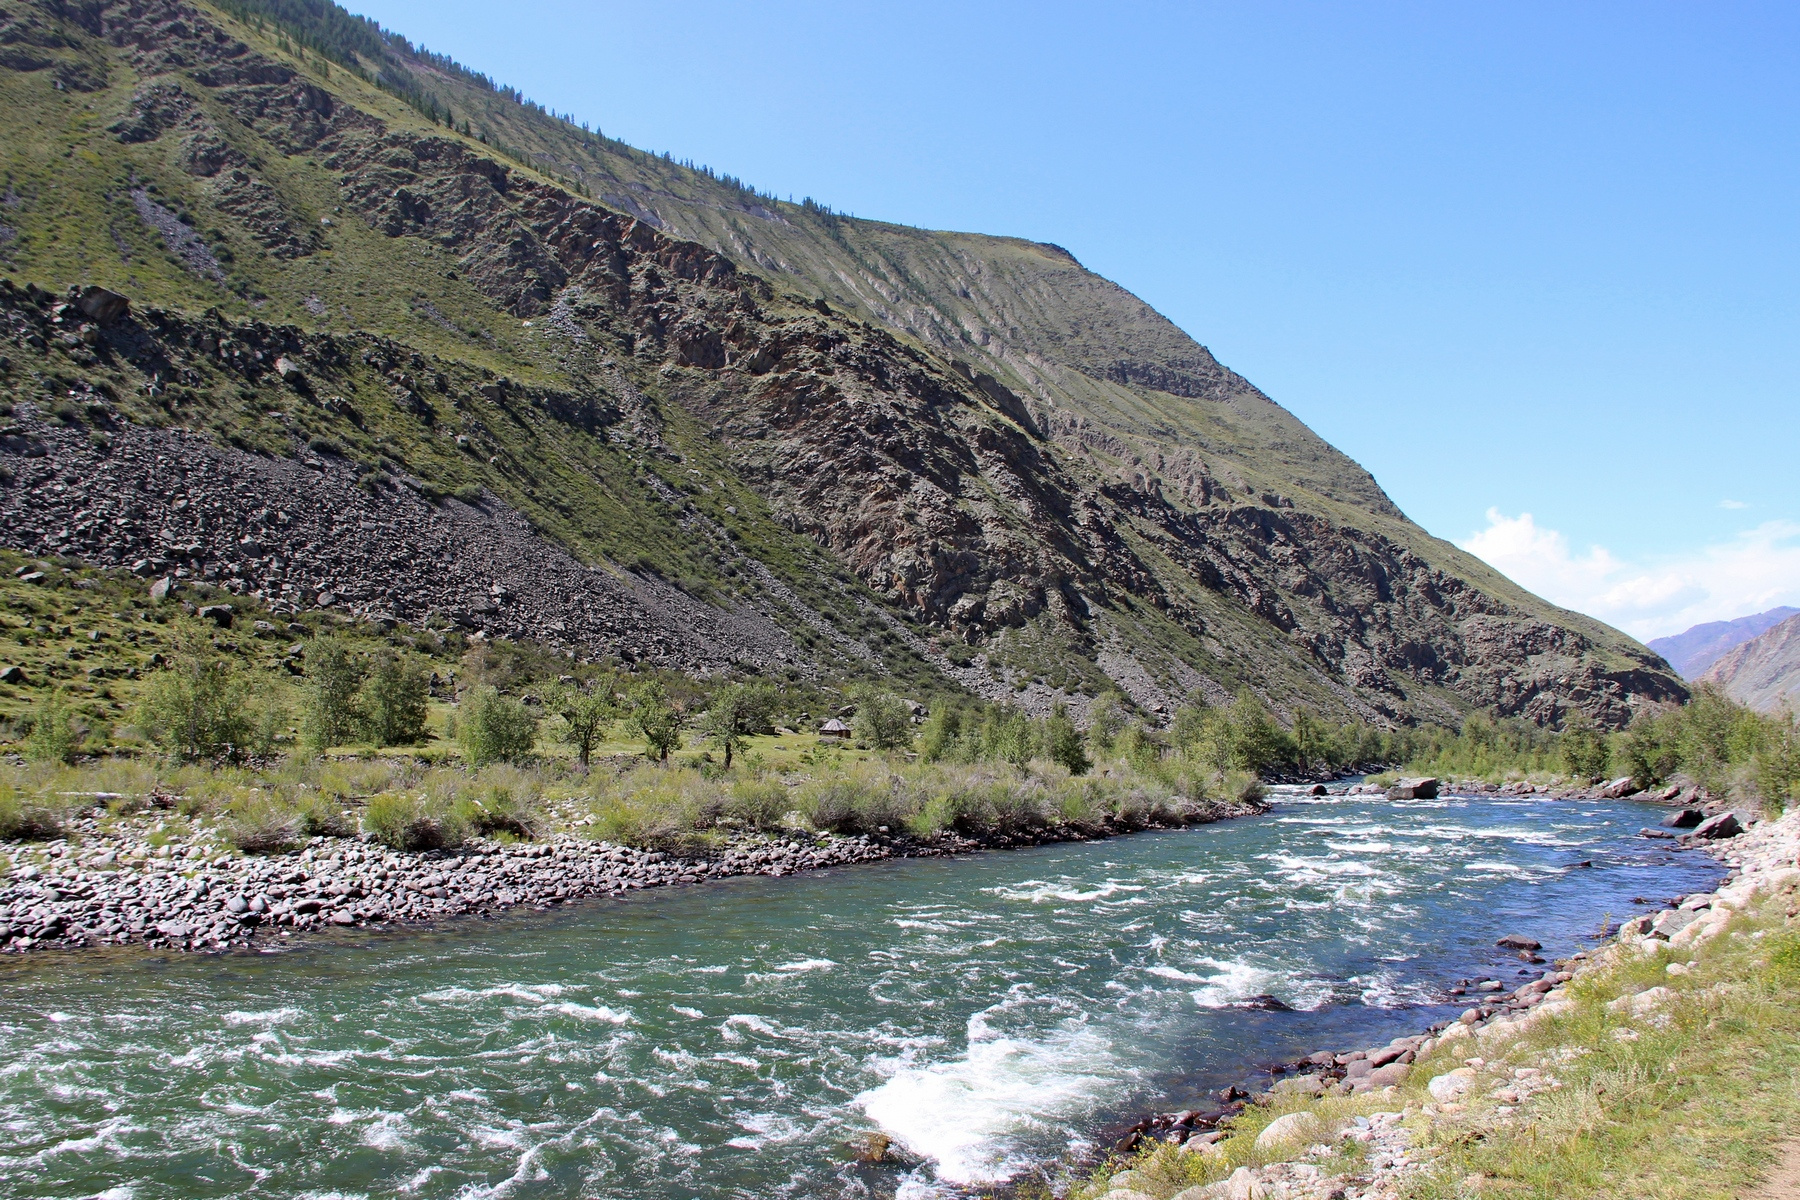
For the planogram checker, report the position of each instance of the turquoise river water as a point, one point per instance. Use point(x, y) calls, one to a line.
point(728, 1040)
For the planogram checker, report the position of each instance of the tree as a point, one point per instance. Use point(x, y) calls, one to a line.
point(198, 707)
point(1583, 748)
point(1106, 719)
point(1312, 740)
point(882, 720)
point(585, 712)
point(1064, 743)
point(332, 715)
point(1006, 736)
point(52, 737)
point(494, 728)
point(947, 732)
point(1258, 742)
point(721, 724)
point(736, 711)
point(657, 719)
point(395, 699)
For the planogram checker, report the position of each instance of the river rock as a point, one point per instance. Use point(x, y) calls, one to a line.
point(1617, 789)
point(1423, 788)
point(1724, 825)
point(1516, 941)
point(1293, 1127)
point(1686, 818)
point(1452, 1085)
point(1391, 1075)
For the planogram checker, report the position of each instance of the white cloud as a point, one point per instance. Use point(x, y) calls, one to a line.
point(1756, 570)
point(1732, 504)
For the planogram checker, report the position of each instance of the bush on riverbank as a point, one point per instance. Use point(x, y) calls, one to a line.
point(1712, 741)
point(687, 809)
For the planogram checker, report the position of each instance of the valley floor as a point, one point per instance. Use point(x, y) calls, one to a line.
point(156, 878)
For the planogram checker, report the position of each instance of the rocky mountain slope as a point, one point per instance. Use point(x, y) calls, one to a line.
point(1763, 672)
point(398, 337)
point(1694, 650)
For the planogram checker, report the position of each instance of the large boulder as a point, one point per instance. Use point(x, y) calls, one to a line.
point(1618, 789)
point(1725, 825)
point(1425, 788)
point(1686, 818)
point(1289, 1129)
point(1451, 1086)
point(98, 304)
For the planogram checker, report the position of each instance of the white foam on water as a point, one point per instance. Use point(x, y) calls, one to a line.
point(750, 1021)
point(685, 1011)
point(1172, 973)
point(1037, 891)
point(1235, 981)
point(738, 1060)
point(106, 1137)
point(272, 1016)
point(612, 1016)
point(122, 1192)
point(968, 1115)
point(808, 964)
point(1305, 869)
point(535, 992)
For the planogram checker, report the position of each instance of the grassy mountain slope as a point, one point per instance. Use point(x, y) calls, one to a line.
point(887, 448)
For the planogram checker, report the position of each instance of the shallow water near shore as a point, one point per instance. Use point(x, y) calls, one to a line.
point(728, 1040)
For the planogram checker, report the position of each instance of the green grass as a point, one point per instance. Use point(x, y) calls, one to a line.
point(1691, 1107)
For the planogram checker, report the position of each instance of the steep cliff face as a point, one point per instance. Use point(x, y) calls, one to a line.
point(810, 443)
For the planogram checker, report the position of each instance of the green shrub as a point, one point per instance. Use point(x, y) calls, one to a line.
point(882, 721)
point(758, 803)
point(319, 817)
point(200, 706)
point(28, 819)
point(656, 809)
point(52, 738)
point(497, 810)
point(1064, 744)
point(395, 700)
point(333, 714)
point(494, 728)
point(259, 825)
point(1583, 749)
point(413, 823)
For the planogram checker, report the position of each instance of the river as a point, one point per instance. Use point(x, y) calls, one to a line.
point(729, 1040)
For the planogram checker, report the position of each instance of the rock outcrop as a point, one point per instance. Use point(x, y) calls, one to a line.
point(1066, 495)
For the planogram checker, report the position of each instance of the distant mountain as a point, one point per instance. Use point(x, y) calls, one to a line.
point(1764, 671)
point(1692, 652)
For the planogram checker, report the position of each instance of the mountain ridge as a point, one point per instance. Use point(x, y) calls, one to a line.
point(1695, 649)
point(1763, 672)
point(1032, 483)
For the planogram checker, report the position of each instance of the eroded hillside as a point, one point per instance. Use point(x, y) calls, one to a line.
point(396, 336)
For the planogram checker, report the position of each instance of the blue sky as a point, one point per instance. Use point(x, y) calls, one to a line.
point(1536, 266)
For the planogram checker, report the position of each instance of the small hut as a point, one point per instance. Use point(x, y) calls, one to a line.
point(834, 728)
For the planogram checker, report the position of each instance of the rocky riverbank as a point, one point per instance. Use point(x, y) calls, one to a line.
point(132, 880)
point(1358, 1125)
